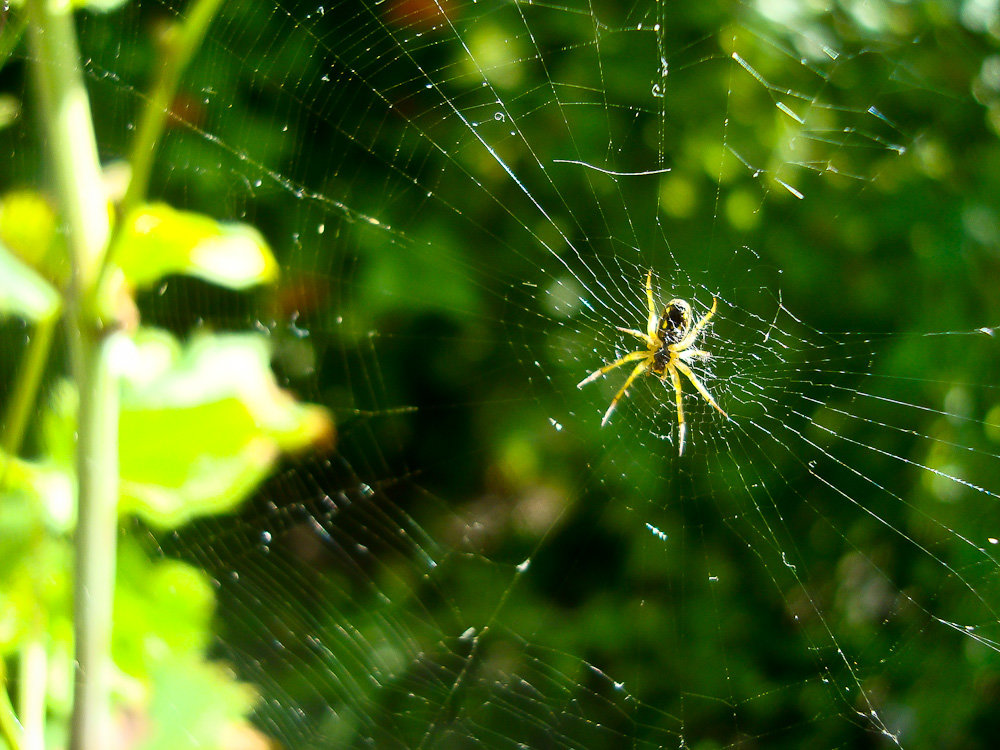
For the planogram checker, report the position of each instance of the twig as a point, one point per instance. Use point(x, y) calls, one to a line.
point(68, 130)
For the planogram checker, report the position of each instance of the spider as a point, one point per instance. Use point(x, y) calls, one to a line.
point(669, 341)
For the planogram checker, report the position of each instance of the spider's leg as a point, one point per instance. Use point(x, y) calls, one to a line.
point(639, 369)
point(637, 334)
point(693, 354)
point(697, 384)
point(632, 357)
point(685, 342)
point(654, 319)
point(681, 427)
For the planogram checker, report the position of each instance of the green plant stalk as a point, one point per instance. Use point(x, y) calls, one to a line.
point(10, 728)
point(96, 541)
point(22, 400)
point(68, 129)
point(182, 46)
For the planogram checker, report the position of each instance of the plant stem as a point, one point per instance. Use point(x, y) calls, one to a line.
point(65, 113)
point(69, 131)
point(25, 391)
point(10, 728)
point(96, 541)
point(182, 46)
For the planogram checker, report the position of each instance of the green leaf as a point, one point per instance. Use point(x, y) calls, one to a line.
point(28, 230)
point(200, 704)
point(23, 293)
point(202, 427)
point(99, 6)
point(158, 240)
point(162, 629)
point(35, 559)
point(163, 608)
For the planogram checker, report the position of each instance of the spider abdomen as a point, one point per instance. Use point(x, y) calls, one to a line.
point(675, 322)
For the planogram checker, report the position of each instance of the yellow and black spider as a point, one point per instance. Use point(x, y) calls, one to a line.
point(669, 340)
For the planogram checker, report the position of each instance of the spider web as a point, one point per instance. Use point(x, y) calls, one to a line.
point(467, 197)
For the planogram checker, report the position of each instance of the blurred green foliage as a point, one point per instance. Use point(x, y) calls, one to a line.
point(202, 423)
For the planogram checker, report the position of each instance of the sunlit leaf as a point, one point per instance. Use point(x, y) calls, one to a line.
point(28, 227)
point(158, 240)
point(99, 6)
point(201, 704)
point(162, 628)
point(203, 426)
point(23, 293)
point(35, 563)
point(163, 615)
point(162, 607)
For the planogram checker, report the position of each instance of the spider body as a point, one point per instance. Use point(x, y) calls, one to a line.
point(669, 339)
point(671, 328)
